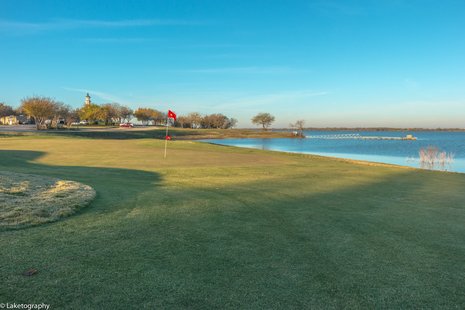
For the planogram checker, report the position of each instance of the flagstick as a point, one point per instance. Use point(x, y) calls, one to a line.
point(166, 136)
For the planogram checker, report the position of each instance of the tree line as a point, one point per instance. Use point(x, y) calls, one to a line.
point(196, 120)
point(46, 112)
point(49, 113)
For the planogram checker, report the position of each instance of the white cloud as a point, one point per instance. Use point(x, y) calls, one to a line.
point(118, 40)
point(411, 83)
point(99, 94)
point(338, 7)
point(17, 27)
point(270, 99)
point(245, 70)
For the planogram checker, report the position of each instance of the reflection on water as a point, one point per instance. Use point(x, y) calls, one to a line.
point(396, 151)
point(433, 158)
point(436, 166)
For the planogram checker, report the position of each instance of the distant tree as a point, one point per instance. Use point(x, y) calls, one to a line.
point(263, 119)
point(114, 113)
point(40, 108)
point(182, 121)
point(145, 115)
point(208, 121)
point(218, 121)
point(232, 123)
point(109, 113)
point(142, 115)
point(158, 118)
point(194, 119)
point(71, 116)
point(6, 110)
point(299, 126)
point(125, 114)
point(90, 113)
point(62, 113)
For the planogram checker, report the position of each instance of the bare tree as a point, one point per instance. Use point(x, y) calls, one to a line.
point(195, 119)
point(40, 108)
point(71, 116)
point(232, 123)
point(6, 110)
point(206, 122)
point(218, 121)
point(182, 121)
point(115, 113)
point(125, 113)
point(299, 126)
point(61, 112)
point(263, 119)
point(65, 114)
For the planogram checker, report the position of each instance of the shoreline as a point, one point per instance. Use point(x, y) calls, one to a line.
point(344, 159)
point(375, 129)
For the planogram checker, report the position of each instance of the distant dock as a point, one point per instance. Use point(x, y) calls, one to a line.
point(357, 136)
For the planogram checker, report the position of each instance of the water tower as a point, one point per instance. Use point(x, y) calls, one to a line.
point(88, 102)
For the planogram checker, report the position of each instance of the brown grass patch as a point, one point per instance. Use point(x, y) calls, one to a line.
point(27, 199)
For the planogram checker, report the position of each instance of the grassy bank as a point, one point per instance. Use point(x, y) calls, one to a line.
point(220, 227)
point(150, 133)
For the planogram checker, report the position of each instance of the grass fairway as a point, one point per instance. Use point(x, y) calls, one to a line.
point(220, 227)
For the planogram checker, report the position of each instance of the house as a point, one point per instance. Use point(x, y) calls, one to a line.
point(14, 120)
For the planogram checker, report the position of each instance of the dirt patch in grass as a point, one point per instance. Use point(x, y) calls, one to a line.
point(27, 199)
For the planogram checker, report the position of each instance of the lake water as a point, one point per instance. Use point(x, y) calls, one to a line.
point(351, 145)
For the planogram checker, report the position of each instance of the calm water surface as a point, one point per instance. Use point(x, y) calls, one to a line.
point(347, 144)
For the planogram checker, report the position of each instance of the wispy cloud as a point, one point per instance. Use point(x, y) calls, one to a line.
point(221, 45)
point(227, 56)
point(359, 8)
point(245, 70)
point(338, 7)
point(99, 94)
point(119, 40)
point(410, 83)
point(270, 99)
point(127, 23)
point(20, 27)
point(235, 103)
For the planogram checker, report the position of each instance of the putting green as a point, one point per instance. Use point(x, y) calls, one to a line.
point(27, 199)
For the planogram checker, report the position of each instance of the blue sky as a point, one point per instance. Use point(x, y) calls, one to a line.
point(332, 63)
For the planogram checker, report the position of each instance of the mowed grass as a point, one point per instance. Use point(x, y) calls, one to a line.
point(149, 132)
point(221, 227)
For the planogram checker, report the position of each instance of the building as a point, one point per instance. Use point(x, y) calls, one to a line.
point(87, 102)
point(14, 120)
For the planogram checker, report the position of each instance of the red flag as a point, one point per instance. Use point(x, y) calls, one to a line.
point(171, 114)
point(168, 137)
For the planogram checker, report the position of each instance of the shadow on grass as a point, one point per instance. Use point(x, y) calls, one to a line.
point(10, 134)
point(391, 243)
point(117, 186)
point(151, 133)
point(113, 134)
point(119, 134)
